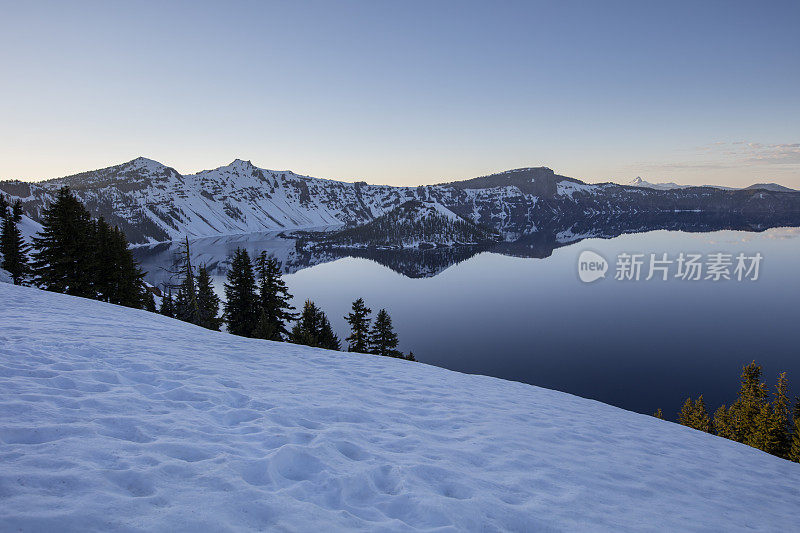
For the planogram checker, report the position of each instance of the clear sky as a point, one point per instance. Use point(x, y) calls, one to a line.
point(406, 92)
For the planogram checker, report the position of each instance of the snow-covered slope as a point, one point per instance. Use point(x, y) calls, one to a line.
point(29, 227)
point(114, 419)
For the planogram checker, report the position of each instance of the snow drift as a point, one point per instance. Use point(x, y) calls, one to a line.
point(118, 419)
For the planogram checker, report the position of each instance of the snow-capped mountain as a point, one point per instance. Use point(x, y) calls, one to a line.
point(151, 202)
point(639, 182)
point(116, 419)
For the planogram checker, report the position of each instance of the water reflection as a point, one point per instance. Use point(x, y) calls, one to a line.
point(298, 253)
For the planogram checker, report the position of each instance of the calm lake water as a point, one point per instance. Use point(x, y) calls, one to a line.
point(638, 345)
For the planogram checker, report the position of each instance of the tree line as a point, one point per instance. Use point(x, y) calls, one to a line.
point(73, 254)
point(258, 305)
point(769, 424)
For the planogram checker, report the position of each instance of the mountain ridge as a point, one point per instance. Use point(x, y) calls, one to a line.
point(152, 202)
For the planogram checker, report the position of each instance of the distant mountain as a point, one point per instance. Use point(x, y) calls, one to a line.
point(151, 202)
point(639, 182)
point(770, 187)
point(413, 224)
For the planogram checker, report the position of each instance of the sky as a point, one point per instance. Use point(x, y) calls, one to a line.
point(405, 93)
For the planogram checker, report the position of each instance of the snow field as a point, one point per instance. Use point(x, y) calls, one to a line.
point(123, 420)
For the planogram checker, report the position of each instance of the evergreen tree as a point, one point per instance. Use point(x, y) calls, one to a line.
point(187, 307)
point(314, 329)
point(722, 422)
point(694, 415)
point(63, 260)
point(772, 424)
point(241, 305)
point(359, 321)
point(794, 449)
point(274, 300)
point(117, 277)
point(659, 414)
point(167, 305)
point(265, 328)
point(149, 302)
point(410, 357)
point(327, 338)
point(383, 339)
point(16, 211)
point(4, 205)
point(12, 245)
point(740, 422)
point(701, 419)
point(207, 301)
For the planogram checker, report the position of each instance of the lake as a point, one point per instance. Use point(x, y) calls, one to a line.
point(526, 316)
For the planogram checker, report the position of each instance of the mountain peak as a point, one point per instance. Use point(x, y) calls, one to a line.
point(141, 160)
point(143, 163)
point(770, 187)
point(241, 163)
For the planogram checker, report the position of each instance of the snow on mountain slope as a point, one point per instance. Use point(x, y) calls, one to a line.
point(151, 202)
point(29, 228)
point(114, 419)
point(639, 182)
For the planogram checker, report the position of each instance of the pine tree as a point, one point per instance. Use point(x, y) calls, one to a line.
point(187, 307)
point(772, 423)
point(694, 415)
point(327, 338)
point(118, 278)
point(701, 419)
point(359, 321)
point(307, 326)
point(167, 305)
point(16, 211)
point(63, 260)
point(794, 449)
point(241, 305)
point(740, 421)
point(722, 423)
point(314, 329)
point(383, 339)
point(207, 301)
point(12, 245)
point(686, 414)
point(149, 302)
point(274, 300)
point(659, 414)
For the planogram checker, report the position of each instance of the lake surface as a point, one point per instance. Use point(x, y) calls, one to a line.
point(639, 345)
